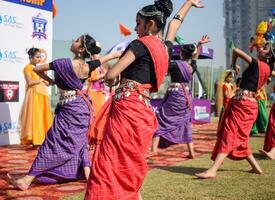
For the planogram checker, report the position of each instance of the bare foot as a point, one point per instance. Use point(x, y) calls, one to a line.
point(267, 154)
point(17, 183)
point(256, 171)
point(191, 156)
point(139, 196)
point(206, 175)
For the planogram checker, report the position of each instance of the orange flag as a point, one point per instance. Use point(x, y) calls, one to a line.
point(54, 9)
point(124, 30)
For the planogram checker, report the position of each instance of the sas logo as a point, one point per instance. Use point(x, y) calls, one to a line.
point(10, 56)
point(44, 55)
point(10, 21)
point(39, 27)
point(6, 127)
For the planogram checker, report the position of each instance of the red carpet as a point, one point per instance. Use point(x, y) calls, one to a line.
point(17, 159)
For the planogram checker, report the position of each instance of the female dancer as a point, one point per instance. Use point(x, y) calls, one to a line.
point(35, 116)
point(228, 88)
point(174, 114)
point(260, 125)
point(96, 87)
point(269, 143)
point(64, 154)
point(240, 114)
point(126, 123)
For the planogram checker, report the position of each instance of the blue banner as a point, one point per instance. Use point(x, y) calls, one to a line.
point(39, 4)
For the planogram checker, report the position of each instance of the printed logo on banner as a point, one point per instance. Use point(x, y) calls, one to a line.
point(205, 50)
point(201, 113)
point(10, 21)
point(155, 109)
point(39, 27)
point(38, 4)
point(9, 91)
point(11, 56)
point(44, 55)
point(155, 103)
point(6, 127)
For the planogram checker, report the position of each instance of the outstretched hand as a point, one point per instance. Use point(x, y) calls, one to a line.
point(237, 69)
point(204, 39)
point(196, 3)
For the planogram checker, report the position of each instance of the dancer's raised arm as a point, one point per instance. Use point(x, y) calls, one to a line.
point(177, 20)
point(203, 40)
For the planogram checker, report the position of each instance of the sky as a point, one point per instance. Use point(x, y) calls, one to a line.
point(100, 20)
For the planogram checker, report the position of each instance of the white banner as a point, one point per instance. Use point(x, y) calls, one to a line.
point(22, 26)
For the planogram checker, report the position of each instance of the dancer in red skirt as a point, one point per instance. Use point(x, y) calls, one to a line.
point(126, 123)
point(269, 143)
point(240, 114)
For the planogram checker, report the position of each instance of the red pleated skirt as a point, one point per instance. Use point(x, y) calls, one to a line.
point(119, 166)
point(269, 142)
point(234, 129)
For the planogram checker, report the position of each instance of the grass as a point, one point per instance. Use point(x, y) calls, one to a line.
point(232, 183)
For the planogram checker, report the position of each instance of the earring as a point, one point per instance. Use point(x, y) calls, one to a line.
point(150, 33)
point(79, 55)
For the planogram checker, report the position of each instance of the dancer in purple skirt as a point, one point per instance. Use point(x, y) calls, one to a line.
point(64, 154)
point(174, 114)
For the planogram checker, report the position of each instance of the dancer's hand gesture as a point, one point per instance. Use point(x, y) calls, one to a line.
point(204, 39)
point(236, 68)
point(196, 3)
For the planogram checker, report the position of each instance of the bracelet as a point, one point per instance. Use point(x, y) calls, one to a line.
point(178, 17)
point(115, 83)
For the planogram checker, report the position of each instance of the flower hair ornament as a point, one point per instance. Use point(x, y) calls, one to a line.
point(97, 44)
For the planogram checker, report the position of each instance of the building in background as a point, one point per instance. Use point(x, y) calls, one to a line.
point(241, 20)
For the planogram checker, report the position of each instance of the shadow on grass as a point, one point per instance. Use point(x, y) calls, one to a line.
point(183, 170)
point(257, 136)
point(259, 156)
point(193, 170)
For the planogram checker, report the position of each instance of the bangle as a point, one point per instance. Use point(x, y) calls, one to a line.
point(115, 83)
point(178, 17)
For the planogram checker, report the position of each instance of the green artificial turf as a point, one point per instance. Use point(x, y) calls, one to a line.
point(233, 182)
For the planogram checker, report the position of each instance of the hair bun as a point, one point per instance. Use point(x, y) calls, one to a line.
point(91, 45)
point(188, 48)
point(166, 6)
point(32, 51)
